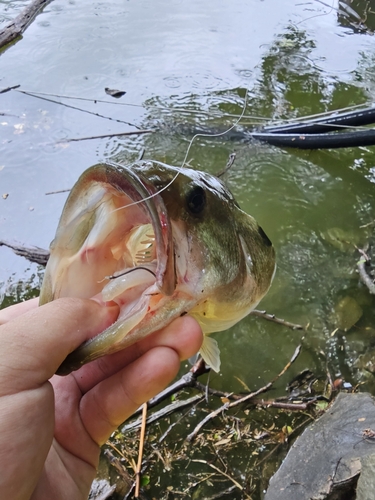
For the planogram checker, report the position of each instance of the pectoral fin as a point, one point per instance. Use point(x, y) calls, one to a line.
point(210, 353)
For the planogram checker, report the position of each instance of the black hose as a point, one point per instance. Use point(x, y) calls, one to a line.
point(326, 124)
point(318, 141)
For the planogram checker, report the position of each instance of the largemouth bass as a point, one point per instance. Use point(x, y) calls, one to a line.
point(161, 242)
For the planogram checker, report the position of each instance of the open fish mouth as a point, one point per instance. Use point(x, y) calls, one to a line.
point(114, 239)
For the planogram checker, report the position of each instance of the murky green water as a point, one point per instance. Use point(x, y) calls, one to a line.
point(186, 65)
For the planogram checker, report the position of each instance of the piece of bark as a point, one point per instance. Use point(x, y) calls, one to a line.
point(101, 490)
point(15, 28)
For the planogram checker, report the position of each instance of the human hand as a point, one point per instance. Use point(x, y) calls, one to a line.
point(51, 427)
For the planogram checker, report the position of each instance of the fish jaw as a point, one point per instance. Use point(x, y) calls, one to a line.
point(151, 313)
point(113, 242)
point(95, 237)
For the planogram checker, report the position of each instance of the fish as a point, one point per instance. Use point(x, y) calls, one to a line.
point(160, 241)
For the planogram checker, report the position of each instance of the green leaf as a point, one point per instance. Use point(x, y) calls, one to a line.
point(145, 480)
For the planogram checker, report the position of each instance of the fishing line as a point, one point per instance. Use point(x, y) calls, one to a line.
point(179, 169)
point(33, 93)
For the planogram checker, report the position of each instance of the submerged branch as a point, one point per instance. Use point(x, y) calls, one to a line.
point(279, 321)
point(115, 134)
point(15, 28)
point(164, 412)
point(244, 399)
point(363, 263)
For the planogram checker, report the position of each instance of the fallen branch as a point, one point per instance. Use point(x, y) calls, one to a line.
point(279, 321)
point(15, 28)
point(236, 483)
point(33, 254)
point(228, 405)
point(116, 134)
point(177, 405)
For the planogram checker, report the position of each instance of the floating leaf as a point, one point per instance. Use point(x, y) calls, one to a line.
point(114, 92)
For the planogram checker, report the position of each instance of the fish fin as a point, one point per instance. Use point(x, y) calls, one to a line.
point(194, 359)
point(210, 353)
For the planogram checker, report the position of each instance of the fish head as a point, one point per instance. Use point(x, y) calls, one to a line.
point(222, 256)
point(160, 241)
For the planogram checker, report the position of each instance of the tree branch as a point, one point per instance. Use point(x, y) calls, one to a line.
point(15, 28)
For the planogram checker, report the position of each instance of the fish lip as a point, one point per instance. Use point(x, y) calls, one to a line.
point(146, 193)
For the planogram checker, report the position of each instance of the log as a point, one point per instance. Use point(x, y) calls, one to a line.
point(33, 254)
point(15, 28)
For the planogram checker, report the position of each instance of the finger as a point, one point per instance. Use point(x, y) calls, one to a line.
point(16, 310)
point(113, 400)
point(184, 335)
point(34, 344)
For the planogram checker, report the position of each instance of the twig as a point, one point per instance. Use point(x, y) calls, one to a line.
point(161, 439)
point(163, 412)
point(279, 321)
point(116, 463)
point(7, 89)
point(117, 134)
point(220, 472)
point(361, 264)
point(222, 493)
point(229, 164)
point(282, 405)
point(141, 154)
point(140, 453)
point(226, 406)
point(264, 459)
point(15, 28)
point(187, 380)
point(58, 192)
point(76, 108)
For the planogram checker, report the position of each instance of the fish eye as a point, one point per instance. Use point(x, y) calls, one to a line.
point(196, 200)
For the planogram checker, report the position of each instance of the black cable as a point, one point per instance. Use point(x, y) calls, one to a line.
point(325, 124)
point(318, 141)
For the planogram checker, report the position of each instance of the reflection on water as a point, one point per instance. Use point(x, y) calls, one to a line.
point(187, 67)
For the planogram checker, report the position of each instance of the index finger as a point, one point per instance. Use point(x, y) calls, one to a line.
point(34, 344)
point(16, 310)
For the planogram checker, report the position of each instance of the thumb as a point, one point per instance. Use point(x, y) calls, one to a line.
point(34, 344)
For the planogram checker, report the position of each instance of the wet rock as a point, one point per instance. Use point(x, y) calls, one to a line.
point(326, 460)
point(365, 486)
